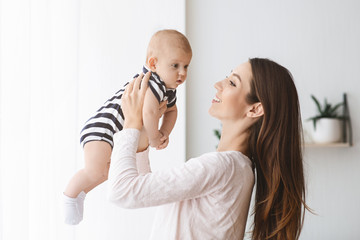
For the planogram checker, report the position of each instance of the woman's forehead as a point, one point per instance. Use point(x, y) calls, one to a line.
point(244, 71)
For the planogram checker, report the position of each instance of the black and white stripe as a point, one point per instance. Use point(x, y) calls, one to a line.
point(158, 88)
point(109, 119)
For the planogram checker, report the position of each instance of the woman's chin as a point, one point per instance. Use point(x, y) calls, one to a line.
point(212, 113)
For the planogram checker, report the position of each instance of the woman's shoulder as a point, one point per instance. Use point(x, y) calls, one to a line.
point(229, 155)
point(227, 159)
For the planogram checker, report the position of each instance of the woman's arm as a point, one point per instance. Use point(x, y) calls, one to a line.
point(127, 188)
point(142, 162)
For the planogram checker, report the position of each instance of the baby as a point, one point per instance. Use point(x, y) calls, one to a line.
point(168, 57)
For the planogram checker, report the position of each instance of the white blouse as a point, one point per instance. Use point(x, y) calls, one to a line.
point(207, 198)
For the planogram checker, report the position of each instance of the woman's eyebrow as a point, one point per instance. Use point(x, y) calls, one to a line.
point(237, 76)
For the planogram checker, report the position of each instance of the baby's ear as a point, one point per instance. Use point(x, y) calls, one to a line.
point(152, 64)
point(256, 110)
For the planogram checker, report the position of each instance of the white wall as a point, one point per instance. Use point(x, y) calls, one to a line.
point(318, 41)
point(59, 61)
point(76, 53)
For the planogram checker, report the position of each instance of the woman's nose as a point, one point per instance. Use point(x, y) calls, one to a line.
point(218, 85)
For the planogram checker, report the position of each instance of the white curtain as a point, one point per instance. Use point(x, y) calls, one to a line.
point(59, 61)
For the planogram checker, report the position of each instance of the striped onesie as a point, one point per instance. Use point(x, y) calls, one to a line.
point(109, 119)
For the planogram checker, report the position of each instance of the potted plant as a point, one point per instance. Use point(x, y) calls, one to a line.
point(327, 124)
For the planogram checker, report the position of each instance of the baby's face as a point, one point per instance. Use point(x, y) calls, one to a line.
point(172, 67)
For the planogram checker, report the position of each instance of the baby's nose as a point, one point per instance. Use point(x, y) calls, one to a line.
point(182, 72)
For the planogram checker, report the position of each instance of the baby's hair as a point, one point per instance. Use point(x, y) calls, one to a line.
point(168, 37)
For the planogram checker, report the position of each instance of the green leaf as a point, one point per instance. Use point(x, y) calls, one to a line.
point(317, 103)
point(217, 133)
point(327, 109)
point(333, 110)
point(315, 119)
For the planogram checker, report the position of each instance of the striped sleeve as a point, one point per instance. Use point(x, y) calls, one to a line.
point(171, 97)
point(157, 88)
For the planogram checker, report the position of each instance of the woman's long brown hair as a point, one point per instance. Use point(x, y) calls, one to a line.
point(276, 150)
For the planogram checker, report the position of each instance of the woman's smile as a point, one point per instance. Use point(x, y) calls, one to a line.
point(216, 100)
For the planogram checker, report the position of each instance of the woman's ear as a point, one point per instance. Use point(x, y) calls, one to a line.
point(152, 63)
point(256, 110)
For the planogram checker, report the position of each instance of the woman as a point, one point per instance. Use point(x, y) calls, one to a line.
point(209, 197)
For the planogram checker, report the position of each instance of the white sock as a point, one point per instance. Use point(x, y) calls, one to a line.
point(74, 208)
point(80, 201)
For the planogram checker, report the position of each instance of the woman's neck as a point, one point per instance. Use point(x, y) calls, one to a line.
point(233, 138)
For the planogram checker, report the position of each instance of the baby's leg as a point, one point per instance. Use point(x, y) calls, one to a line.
point(143, 141)
point(103, 179)
point(97, 157)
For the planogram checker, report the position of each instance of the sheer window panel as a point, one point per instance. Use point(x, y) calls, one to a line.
point(59, 61)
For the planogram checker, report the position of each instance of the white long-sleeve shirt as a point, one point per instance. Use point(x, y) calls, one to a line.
point(207, 198)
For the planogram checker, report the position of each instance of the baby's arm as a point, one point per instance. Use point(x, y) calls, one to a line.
point(151, 118)
point(167, 125)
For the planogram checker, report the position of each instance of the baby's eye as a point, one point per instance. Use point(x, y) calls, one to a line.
point(175, 65)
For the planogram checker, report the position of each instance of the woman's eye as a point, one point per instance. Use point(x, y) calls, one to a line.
point(232, 83)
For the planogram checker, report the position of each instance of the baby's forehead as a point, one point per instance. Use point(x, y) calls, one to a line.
point(172, 43)
point(176, 54)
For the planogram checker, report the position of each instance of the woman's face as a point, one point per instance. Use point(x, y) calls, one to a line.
point(230, 100)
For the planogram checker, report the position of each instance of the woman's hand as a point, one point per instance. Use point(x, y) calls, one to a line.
point(132, 101)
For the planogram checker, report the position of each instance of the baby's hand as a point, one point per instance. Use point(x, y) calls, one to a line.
point(155, 142)
point(164, 140)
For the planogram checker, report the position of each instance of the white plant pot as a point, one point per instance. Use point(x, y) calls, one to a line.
point(328, 130)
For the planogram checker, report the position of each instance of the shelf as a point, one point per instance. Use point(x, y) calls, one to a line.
point(330, 145)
